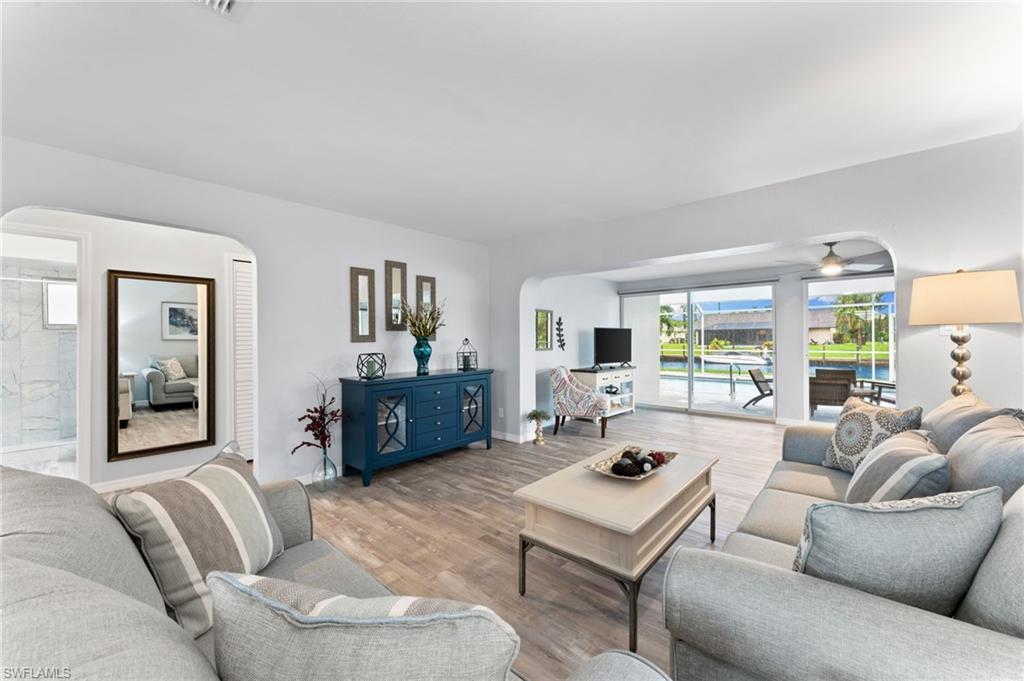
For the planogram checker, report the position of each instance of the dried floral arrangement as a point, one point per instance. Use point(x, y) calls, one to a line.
point(424, 322)
point(320, 418)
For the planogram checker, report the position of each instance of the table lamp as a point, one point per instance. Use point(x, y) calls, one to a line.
point(964, 298)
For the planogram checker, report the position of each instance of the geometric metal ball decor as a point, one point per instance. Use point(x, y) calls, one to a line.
point(371, 365)
point(466, 357)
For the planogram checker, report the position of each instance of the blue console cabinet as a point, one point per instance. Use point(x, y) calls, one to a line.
point(404, 417)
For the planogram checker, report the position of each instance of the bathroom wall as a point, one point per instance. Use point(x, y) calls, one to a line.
point(38, 364)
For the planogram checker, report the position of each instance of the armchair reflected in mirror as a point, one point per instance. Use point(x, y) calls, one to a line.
point(160, 363)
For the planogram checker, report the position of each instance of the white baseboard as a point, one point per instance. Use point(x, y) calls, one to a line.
point(509, 437)
point(140, 480)
point(791, 422)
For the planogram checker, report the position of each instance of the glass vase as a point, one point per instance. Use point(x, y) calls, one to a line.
point(421, 351)
point(325, 475)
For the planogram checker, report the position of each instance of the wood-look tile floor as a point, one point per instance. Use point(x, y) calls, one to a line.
point(447, 526)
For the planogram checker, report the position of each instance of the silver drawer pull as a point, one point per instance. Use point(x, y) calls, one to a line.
point(437, 408)
point(438, 438)
point(437, 392)
point(437, 423)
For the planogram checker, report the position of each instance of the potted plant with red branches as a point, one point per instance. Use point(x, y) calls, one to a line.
point(319, 420)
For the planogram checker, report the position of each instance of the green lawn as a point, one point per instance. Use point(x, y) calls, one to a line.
point(838, 350)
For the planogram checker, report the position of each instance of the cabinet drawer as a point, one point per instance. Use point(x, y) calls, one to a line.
point(428, 393)
point(429, 424)
point(436, 438)
point(433, 407)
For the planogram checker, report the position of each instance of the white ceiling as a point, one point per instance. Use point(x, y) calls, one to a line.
point(490, 121)
point(792, 259)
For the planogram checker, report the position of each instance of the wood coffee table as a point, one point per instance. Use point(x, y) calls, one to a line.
point(618, 528)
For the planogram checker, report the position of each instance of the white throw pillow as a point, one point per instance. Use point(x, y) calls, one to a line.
point(171, 369)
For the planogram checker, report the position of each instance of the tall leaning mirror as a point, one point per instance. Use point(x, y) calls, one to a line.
point(426, 295)
point(363, 310)
point(160, 363)
point(394, 294)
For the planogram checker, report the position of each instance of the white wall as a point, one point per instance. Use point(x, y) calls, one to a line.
point(303, 255)
point(121, 245)
point(936, 211)
point(582, 303)
point(140, 332)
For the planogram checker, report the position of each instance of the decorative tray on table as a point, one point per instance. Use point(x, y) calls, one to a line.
point(632, 463)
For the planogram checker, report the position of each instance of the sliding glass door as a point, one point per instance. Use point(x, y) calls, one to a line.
point(734, 350)
point(708, 350)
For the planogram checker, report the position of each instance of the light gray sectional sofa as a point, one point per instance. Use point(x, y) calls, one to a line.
point(742, 613)
point(77, 600)
point(162, 392)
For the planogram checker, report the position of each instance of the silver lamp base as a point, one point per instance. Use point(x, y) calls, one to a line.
point(960, 355)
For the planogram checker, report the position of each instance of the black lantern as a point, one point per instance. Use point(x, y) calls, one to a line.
point(371, 365)
point(465, 358)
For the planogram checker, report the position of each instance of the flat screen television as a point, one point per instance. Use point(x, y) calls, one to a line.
point(612, 346)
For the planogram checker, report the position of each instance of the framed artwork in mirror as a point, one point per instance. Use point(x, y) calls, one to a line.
point(160, 363)
point(542, 323)
point(394, 294)
point(363, 309)
point(426, 294)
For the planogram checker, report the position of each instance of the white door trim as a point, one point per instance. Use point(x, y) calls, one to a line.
point(86, 329)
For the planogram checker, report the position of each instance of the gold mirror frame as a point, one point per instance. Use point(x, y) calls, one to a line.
point(542, 329)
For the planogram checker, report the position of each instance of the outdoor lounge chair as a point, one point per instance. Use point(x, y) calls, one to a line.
point(763, 385)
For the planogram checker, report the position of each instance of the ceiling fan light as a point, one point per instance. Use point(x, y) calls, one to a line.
point(831, 264)
point(832, 267)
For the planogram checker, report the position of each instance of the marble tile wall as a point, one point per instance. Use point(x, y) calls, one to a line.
point(37, 377)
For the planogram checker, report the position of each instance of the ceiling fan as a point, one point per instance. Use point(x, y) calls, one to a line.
point(833, 264)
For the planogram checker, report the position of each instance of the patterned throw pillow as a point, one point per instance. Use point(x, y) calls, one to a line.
point(171, 369)
point(269, 629)
point(861, 428)
point(922, 552)
point(215, 518)
point(905, 466)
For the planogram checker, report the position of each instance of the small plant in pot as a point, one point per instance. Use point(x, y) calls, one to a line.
point(319, 420)
point(538, 416)
point(423, 325)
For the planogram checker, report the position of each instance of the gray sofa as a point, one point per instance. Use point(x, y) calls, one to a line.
point(742, 613)
point(163, 393)
point(77, 600)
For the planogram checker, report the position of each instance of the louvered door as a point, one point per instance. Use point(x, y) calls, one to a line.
point(243, 337)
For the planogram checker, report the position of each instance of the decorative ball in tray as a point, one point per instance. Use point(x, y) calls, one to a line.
point(632, 463)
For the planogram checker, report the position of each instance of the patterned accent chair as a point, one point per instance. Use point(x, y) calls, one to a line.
point(571, 399)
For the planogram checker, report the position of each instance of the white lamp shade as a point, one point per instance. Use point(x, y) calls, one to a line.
point(966, 298)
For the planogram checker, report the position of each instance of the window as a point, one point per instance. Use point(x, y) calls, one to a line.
point(60, 304)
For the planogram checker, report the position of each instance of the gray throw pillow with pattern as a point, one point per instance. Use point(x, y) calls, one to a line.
point(215, 518)
point(905, 466)
point(922, 552)
point(267, 628)
point(861, 428)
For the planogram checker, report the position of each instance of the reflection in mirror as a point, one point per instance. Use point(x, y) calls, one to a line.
point(426, 294)
point(394, 294)
point(160, 363)
point(363, 311)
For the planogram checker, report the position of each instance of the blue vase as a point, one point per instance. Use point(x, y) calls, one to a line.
point(421, 351)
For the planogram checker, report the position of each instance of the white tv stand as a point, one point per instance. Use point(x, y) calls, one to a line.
point(623, 402)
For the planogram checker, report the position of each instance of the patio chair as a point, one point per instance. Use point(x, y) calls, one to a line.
point(832, 387)
point(763, 385)
point(571, 399)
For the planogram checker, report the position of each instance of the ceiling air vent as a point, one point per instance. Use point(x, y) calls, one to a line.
point(222, 6)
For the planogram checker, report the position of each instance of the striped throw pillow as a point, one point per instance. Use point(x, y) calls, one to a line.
point(268, 628)
point(215, 518)
point(906, 466)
